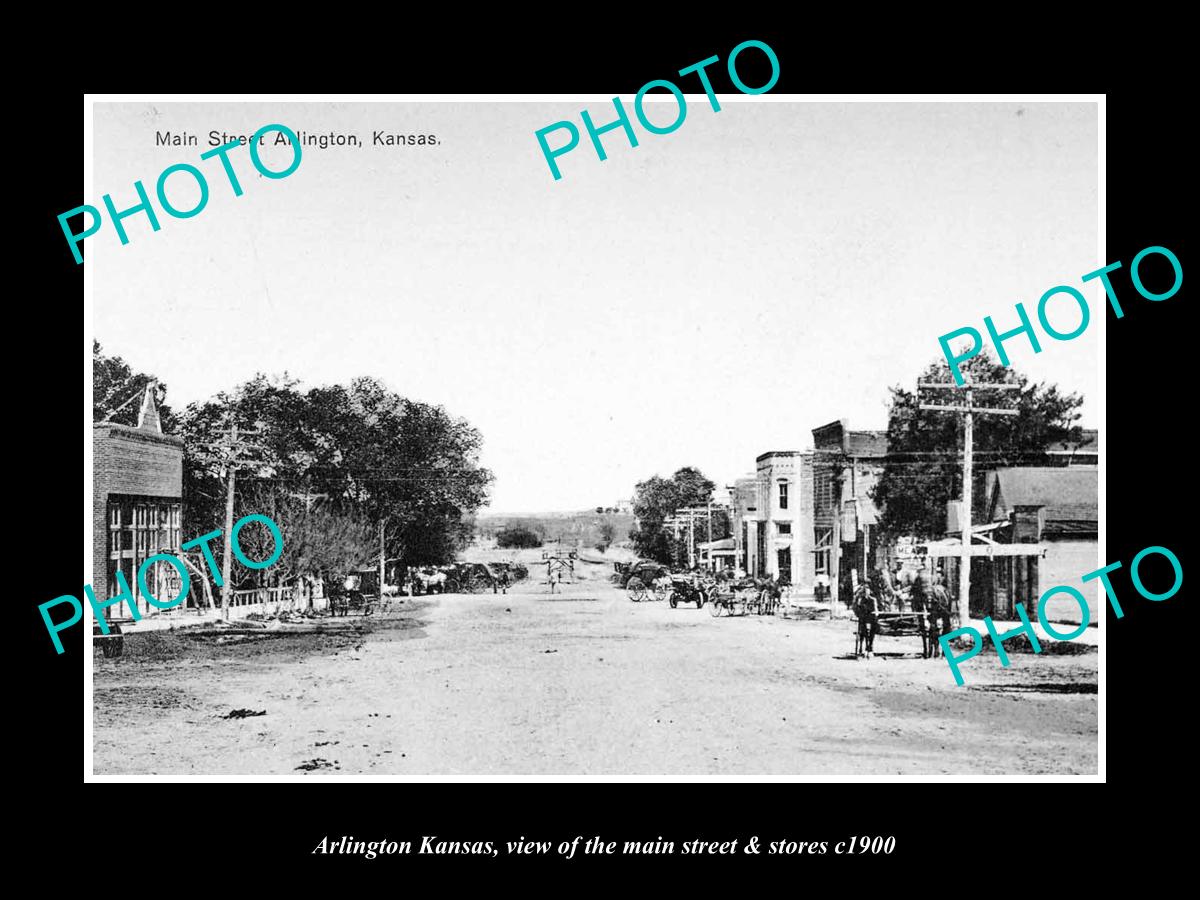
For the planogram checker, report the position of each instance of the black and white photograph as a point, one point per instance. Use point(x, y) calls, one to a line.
point(425, 445)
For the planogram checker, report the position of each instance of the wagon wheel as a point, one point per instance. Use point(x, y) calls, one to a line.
point(673, 600)
point(636, 589)
point(714, 608)
point(450, 586)
point(701, 597)
point(662, 592)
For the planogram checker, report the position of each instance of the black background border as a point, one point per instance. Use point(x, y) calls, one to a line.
point(1146, 438)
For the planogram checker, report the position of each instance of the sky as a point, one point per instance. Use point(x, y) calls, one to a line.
point(697, 300)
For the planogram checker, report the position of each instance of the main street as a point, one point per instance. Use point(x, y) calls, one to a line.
point(586, 683)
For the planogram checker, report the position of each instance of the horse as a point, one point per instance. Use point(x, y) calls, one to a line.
point(866, 610)
point(939, 618)
point(430, 578)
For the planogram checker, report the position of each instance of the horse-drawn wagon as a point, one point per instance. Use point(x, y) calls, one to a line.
point(927, 616)
point(745, 596)
point(645, 581)
point(357, 592)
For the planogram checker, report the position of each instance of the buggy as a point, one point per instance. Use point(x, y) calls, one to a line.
point(687, 589)
point(646, 581)
point(354, 592)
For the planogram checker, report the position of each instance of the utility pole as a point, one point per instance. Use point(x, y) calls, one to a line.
point(968, 411)
point(382, 554)
point(226, 554)
point(691, 543)
point(234, 450)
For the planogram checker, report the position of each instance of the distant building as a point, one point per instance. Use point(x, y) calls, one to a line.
point(717, 555)
point(137, 506)
point(743, 521)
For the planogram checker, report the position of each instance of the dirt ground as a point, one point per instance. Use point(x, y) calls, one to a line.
point(583, 683)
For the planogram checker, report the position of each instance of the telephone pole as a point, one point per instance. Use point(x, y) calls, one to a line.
point(233, 457)
point(968, 411)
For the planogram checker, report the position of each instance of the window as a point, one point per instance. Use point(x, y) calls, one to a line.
point(784, 527)
point(138, 528)
point(783, 495)
point(823, 551)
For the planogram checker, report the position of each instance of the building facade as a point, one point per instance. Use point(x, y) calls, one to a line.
point(784, 514)
point(743, 522)
point(1051, 506)
point(846, 467)
point(137, 507)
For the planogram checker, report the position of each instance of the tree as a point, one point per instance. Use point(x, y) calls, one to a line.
point(320, 535)
point(406, 470)
point(114, 383)
point(658, 498)
point(516, 536)
point(923, 470)
point(608, 533)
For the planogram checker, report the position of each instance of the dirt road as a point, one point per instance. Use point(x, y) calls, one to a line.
point(586, 683)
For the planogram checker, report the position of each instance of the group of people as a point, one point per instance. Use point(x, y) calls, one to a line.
point(894, 588)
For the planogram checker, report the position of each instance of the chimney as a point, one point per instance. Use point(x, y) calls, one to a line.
point(148, 417)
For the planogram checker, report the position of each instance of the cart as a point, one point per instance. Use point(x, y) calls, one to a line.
point(645, 581)
point(897, 624)
point(746, 597)
point(687, 590)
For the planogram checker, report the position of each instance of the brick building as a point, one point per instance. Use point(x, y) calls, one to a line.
point(137, 506)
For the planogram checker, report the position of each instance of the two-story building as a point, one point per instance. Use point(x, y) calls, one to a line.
point(137, 506)
point(743, 522)
point(784, 511)
point(846, 466)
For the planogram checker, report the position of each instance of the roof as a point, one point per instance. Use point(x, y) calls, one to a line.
point(723, 544)
point(138, 434)
point(1068, 494)
point(770, 453)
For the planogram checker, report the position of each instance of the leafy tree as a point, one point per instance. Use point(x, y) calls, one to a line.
point(114, 383)
point(371, 457)
point(608, 534)
point(320, 535)
point(655, 500)
point(517, 536)
point(923, 470)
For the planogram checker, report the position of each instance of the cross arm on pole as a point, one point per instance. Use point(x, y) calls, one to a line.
point(969, 386)
point(970, 409)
